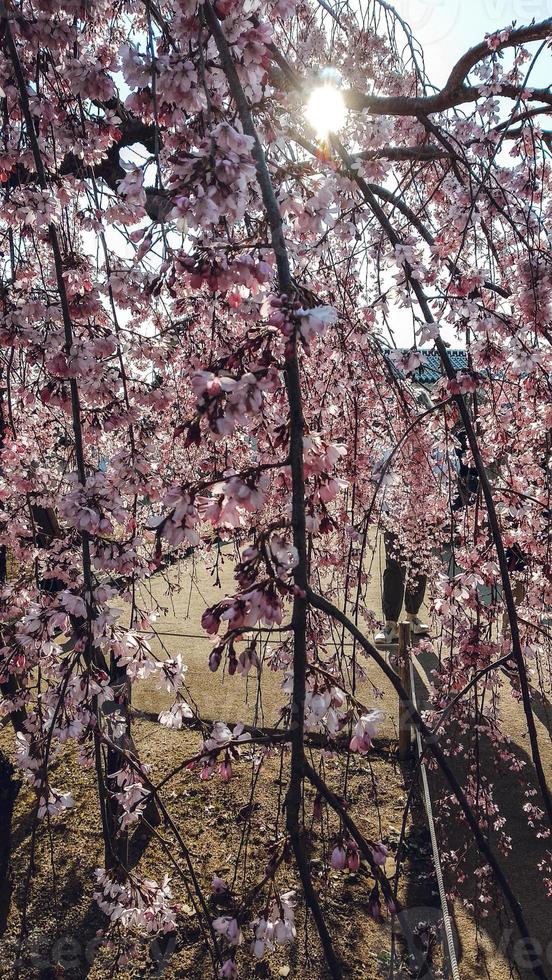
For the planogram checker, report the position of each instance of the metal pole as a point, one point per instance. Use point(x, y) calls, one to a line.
point(449, 934)
point(405, 726)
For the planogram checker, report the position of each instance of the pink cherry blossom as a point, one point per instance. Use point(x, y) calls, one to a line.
point(366, 729)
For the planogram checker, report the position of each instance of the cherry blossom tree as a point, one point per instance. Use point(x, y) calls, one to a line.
point(198, 299)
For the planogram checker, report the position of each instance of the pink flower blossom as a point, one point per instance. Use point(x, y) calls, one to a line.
point(379, 854)
point(227, 926)
point(338, 859)
point(366, 729)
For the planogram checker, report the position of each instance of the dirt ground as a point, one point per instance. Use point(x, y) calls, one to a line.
point(62, 919)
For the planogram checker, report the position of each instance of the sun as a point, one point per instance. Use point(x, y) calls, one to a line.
point(326, 110)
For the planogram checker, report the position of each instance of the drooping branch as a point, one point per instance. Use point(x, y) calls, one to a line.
point(394, 199)
point(58, 265)
point(432, 746)
point(81, 626)
point(494, 524)
point(154, 790)
point(298, 518)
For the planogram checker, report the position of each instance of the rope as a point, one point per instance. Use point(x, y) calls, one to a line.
point(203, 636)
point(181, 636)
point(434, 846)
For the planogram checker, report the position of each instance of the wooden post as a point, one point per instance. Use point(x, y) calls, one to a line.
point(405, 726)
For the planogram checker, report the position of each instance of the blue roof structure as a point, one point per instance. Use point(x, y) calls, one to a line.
point(432, 371)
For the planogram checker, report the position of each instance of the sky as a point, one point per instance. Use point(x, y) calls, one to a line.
point(447, 28)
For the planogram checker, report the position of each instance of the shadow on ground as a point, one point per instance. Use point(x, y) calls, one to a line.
point(519, 865)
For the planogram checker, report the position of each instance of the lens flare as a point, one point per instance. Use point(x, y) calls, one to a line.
point(326, 110)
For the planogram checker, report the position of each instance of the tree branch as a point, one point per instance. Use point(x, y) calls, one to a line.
point(455, 92)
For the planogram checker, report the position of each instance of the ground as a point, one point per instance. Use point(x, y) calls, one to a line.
point(62, 921)
point(210, 819)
